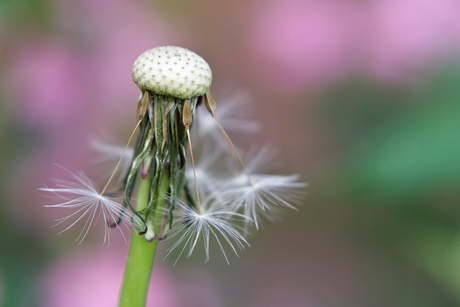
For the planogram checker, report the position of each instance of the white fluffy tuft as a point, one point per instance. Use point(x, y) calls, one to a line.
point(217, 220)
point(88, 205)
point(262, 194)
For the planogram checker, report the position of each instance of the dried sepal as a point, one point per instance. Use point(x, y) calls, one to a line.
point(187, 115)
point(143, 105)
point(210, 102)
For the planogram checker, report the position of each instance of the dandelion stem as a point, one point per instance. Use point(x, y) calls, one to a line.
point(141, 253)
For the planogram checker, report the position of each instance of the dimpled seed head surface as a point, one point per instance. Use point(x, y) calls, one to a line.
point(172, 71)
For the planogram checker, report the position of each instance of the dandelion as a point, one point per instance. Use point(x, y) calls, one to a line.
point(216, 199)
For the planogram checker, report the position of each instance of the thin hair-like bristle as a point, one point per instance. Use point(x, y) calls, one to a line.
point(217, 221)
point(81, 196)
point(263, 195)
point(121, 158)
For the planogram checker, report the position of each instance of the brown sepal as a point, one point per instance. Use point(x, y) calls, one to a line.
point(143, 106)
point(210, 102)
point(187, 115)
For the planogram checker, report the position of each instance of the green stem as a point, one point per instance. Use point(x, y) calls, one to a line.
point(141, 253)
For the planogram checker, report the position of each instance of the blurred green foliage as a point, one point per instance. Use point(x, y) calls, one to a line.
point(398, 159)
point(22, 256)
point(25, 13)
point(417, 152)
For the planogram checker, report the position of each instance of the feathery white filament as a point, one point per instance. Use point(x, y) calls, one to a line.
point(216, 221)
point(89, 205)
point(267, 192)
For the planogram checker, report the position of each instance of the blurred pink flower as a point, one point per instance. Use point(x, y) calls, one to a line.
point(46, 81)
point(299, 44)
point(302, 43)
point(94, 279)
point(406, 35)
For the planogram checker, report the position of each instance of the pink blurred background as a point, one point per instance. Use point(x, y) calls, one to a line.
point(65, 77)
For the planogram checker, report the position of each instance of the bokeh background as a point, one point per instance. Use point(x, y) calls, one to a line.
point(362, 98)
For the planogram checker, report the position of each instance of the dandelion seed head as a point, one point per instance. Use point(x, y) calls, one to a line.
point(172, 74)
point(174, 81)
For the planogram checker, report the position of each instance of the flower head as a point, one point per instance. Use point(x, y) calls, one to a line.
point(172, 71)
